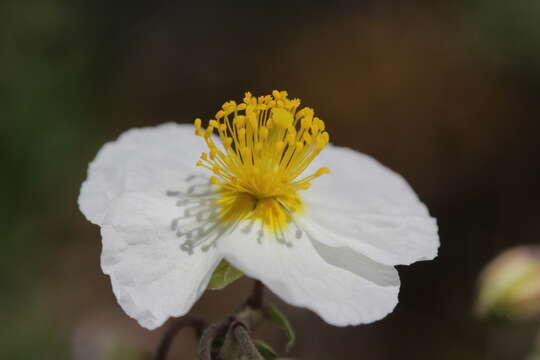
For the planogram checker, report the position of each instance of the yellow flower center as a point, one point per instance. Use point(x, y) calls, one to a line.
point(266, 144)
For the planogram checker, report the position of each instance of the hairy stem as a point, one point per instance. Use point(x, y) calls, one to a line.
point(245, 342)
point(212, 331)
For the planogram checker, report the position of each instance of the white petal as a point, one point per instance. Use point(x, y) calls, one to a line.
point(152, 275)
point(151, 202)
point(369, 208)
point(343, 287)
point(146, 159)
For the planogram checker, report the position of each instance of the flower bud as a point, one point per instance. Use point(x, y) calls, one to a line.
point(510, 284)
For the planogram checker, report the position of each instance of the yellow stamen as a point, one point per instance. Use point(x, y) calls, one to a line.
point(266, 145)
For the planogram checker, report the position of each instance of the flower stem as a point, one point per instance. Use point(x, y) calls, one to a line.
point(255, 301)
point(187, 321)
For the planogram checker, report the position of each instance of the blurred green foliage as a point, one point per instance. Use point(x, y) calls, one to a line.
point(47, 55)
point(509, 32)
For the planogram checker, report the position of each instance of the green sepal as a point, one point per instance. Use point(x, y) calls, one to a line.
point(217, 344)
point(278, 318)
point(223, 275)
point(265, 350)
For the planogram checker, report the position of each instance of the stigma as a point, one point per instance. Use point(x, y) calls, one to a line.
point(262, 148)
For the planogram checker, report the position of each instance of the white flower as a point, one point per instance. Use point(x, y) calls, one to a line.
point(327, 242)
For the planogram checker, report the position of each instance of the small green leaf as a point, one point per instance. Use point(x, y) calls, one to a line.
point(223, 275)
point(265, 350)
point(277, 317)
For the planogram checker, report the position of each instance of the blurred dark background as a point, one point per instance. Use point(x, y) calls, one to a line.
point(444, 92)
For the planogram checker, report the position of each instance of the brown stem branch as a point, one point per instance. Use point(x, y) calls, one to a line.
point(187, 321)
point(250, 317)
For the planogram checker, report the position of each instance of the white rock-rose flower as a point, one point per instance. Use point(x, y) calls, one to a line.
point(321, 226)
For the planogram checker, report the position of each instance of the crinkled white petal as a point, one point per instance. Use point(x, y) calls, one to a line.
point(147, 159)
point(341, 286)
point(147, 195)
point(152, 276)
point(369, 208)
